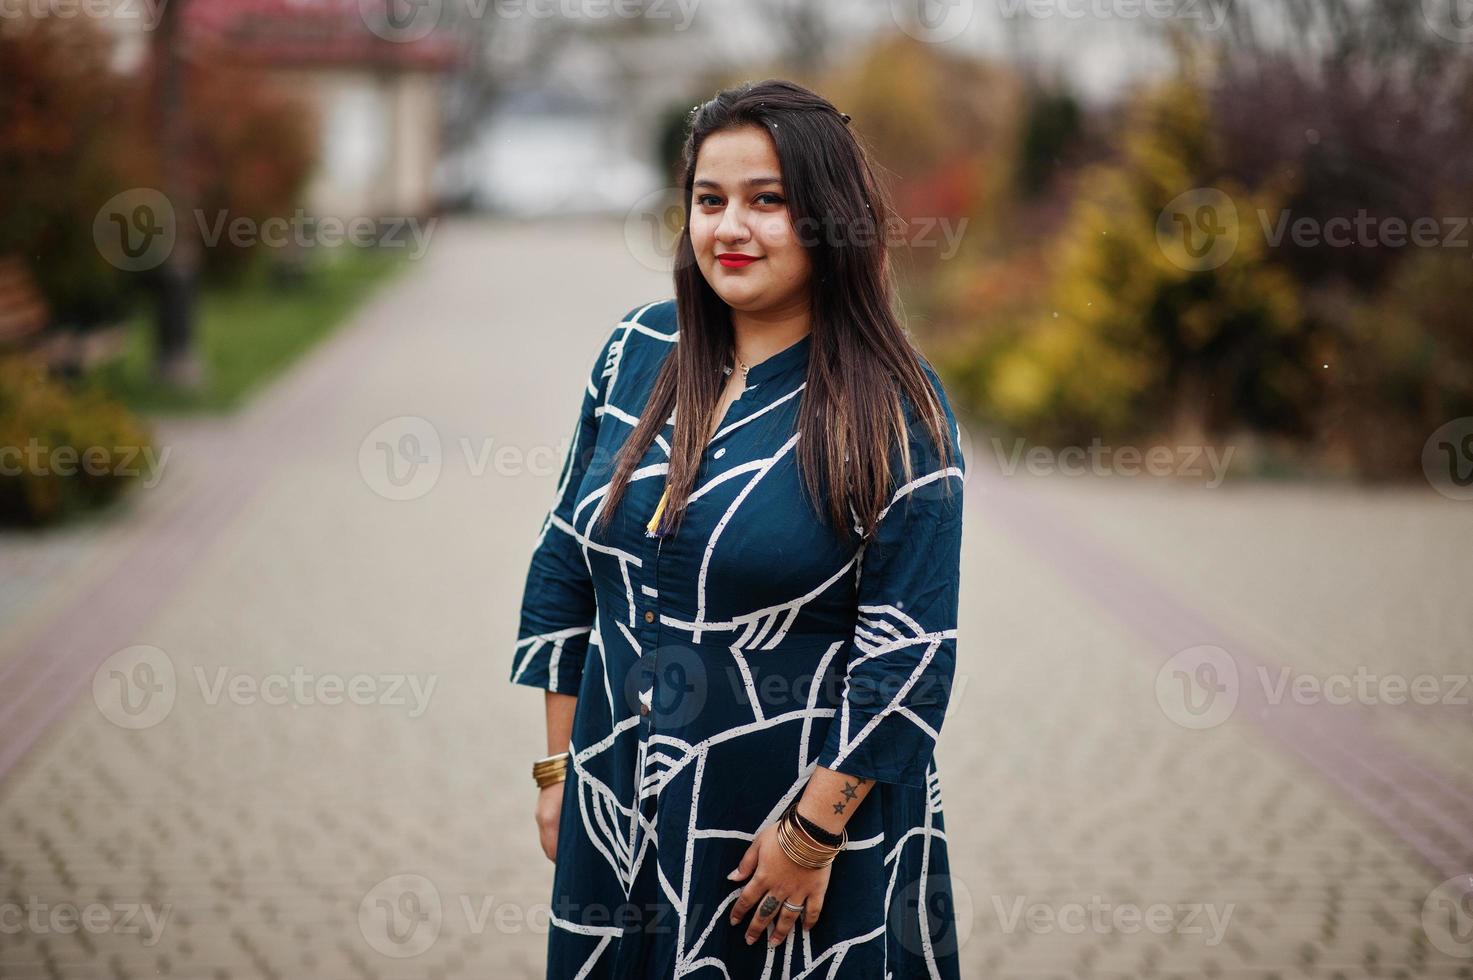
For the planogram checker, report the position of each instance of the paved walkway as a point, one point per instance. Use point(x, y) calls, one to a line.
point(1125, 795)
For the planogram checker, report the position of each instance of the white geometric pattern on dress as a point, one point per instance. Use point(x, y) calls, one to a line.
point(625, 834)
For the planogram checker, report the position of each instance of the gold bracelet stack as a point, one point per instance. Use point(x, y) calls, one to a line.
point(800, 846)
point(549, 770)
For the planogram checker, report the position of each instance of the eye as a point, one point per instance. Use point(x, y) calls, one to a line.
point(701, 199)
point(776, 198)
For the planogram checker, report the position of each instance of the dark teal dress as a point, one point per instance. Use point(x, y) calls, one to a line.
point(716, 667)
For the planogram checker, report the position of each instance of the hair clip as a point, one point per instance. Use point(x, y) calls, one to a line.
point(844, 116)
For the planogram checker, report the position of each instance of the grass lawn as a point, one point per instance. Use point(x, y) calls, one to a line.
point(248, 331)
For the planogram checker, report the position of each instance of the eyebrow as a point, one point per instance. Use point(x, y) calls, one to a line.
point(750, 182)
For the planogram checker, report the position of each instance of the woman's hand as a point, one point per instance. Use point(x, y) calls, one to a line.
point(775, 879)
point(549, 815)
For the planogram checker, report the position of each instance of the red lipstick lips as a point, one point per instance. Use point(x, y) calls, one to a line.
point(735, 260)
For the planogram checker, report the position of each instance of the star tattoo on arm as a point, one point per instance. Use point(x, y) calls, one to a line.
point(850, 791)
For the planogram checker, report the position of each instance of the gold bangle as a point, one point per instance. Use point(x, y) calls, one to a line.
point(801, 854)
point(800, 846)
point(550, 769)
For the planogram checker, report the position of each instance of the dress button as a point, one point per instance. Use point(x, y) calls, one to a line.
point(649, 615)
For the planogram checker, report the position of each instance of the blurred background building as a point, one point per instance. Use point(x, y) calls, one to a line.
point(374, 100)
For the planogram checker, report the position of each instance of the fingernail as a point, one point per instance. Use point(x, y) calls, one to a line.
point(734, 873)
point(749, 940)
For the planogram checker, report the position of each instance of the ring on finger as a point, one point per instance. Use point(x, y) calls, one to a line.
point(791, 907)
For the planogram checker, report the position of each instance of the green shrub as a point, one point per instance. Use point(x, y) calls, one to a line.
point(62, 452)
point(1130, 340)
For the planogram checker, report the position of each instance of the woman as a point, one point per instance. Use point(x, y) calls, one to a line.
point(746, 622)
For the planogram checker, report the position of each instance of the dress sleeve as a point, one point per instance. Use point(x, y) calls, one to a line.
point(558, 607)
point(902, 658)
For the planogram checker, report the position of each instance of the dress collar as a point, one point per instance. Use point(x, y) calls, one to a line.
point(792, 357)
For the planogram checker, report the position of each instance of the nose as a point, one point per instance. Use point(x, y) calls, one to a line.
point(732, 229)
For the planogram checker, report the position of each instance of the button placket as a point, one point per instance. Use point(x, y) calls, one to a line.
point(649, 633)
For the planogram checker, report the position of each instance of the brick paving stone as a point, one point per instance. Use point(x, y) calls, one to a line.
point(267, 830)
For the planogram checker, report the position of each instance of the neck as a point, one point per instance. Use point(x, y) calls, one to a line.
point(759, 335)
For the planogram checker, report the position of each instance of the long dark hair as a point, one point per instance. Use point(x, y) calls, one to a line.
point(860, 362)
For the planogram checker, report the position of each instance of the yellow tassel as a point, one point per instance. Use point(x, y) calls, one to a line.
point(654, 523)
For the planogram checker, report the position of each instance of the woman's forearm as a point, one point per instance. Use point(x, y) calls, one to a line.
point(559, 721)
point(831, 797)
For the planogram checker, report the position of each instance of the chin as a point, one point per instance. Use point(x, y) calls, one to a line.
point(741, 296)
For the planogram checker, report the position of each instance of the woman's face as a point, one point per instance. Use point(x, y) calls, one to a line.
point(738, 208)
